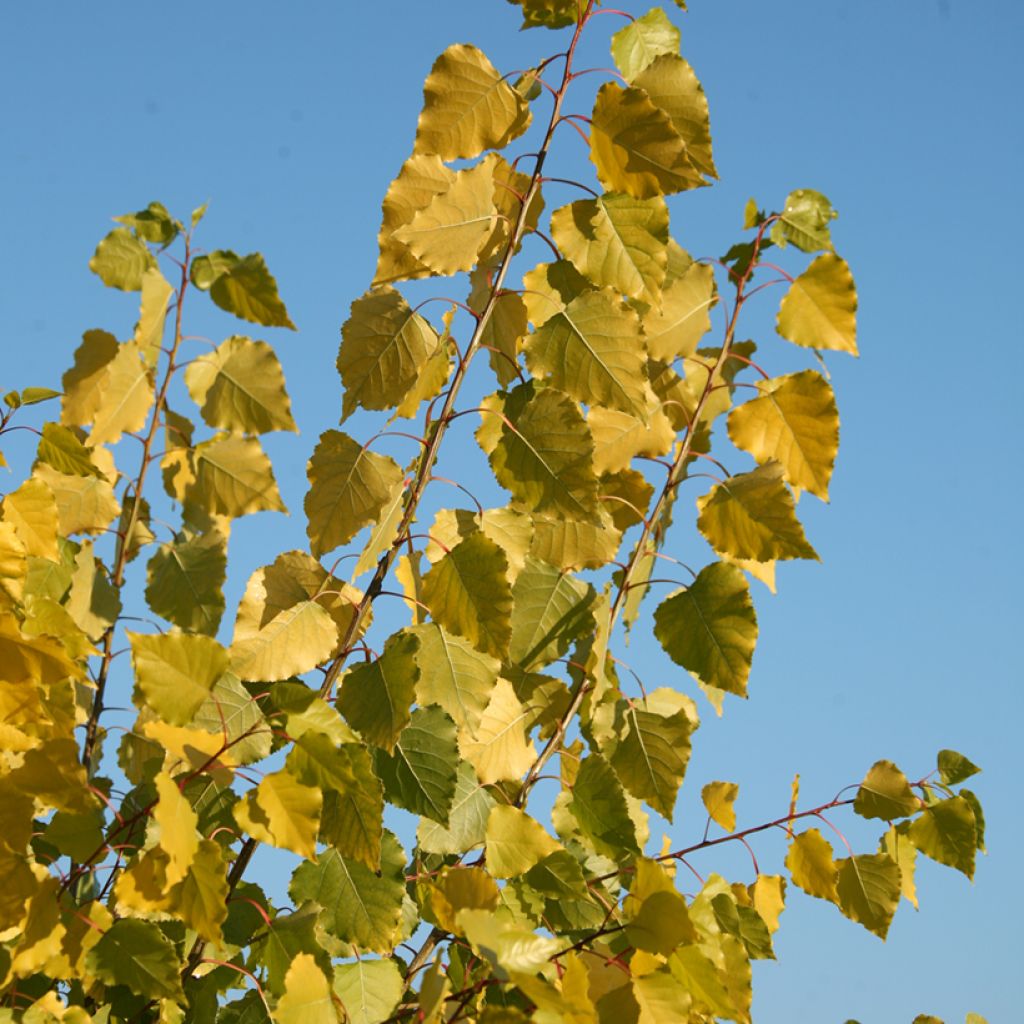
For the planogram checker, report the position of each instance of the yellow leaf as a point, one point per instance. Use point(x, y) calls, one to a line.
point(85, 504)
point(41, 933)
point(32, 511)
point(202, 896)
point(674, 326)
point(128, 394)
point(295, 641)
point(515, 842)
point(178, 836)
point(719, 798)
point(283, 812)
point(149, 331)
point(812, 866)
point(195, 748)
point(307, 995)
point(619, 437)
point(499, 749)
point(820, 308)
point(768, 894)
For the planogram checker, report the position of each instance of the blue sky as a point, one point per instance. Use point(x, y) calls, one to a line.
point(292, 119)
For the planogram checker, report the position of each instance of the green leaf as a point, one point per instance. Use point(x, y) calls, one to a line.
point(946, 832)
point(616, 241)
point(955, 768)
point(542, 451)
point(76, 836)
point(795, 423)
point(307, 995)
point(468, 593)
point(293, 642)
point(505, 943)
point(703, 980)
point(869, 890)
point(139, 956)
point(804, 221)
point(599, 806)
point(812, 867)
point(240, 386)
point(283, 812)
point(233, 478)
point(358, 905)
point(674, 326)
point(376, 695)
point(243, 286)
point(174, 672)
point(349, 487)
point(710, 628)
point(369, 989)
point(548, 13)
point(154, 224)
point(185, 580)
point(515, 842)
point(593, 350)
point(643, 39)
point(499, 748)
point(820, 309)
point(635, 148)
point(745, 924)
point(467, 817)
point(232, 712)
point(468, 107)
point(651, 755)
point(33, 396)
point(277, 947)
point(207, 268)
point(447, 234)
point(719, 798)
point(420, 775)
point(121, 260)
point(61, 449)
point(752, 515)
point(384, 349)
point(885, 793)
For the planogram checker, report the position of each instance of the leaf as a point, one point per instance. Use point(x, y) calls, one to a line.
point(176, 823)
point(358, 905)
point(376, 696)
point(349, 487)
point(635, 148)
point(244, 287)
point(384, 349)
point(953, 766)
point(240, 386)
point(795, 423)
point(420, 775)
point(599, 806)
point(896, 845)
point(307, 996)
point(885, 793)
point(175, 672)
point(369, 989)
point(593, 351)
point(384, 531)
point(32, 512)
point(295, 641)
point(616, 241)
point(548, 13)
point(643, 39)
point(710, 628)
point(185, 580)
point(811, 865)
point(149, 331)
point(468, 107)
point(719, 798)
point(233, 713)
point(651, 755)
point(446, 235)
point(83, 382)
point(154, 224)
point(203, 894)
point(869, 890)
point(233, 478)
point(515, 842)
point(85, 504)
point(674, 326)
point(804, 221)
point(499, 749)
point(820, 309)
point(769, 897)
point(467, 818)
point(283, 812)
point(468, 593)
point(752, 515)
point(61, 449)
point(620, 437)
point(550, 287)
point(121, 261)
point(946, 832)
point(505, 943)
point(139, 956)
point(128, 395)
point(542, 452)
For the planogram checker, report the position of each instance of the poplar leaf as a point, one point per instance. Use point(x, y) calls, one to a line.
point(446, 235)
point(282, 812)
point(244, 287)
point(349, 486)
point(674, 326)
point(550, 287)
point(885, 793)
point(674, 89)
point(468, 107)
point(174, 672)
point(32, 512)
point(953, 766)
point(185, 580)
point(660, 996)
point(384, 531)
point(121, 261)
point(295, 641)
point(820, 309)
point(599, 806)
point(593, 350)
point(149, 331)
point(240, 386)
point(710, 628)
point(154, 224)
point(947, 832)
point(543, 454)
point(811, 865)
point(569, 544)
point(719, 799)
point(548, 13)
point(804, 221)
point(651, 755)
point(467, 818)
point(376, 696)
point(369, 989)
point(869, 890)
point(420, 774)
point(85, 504)
point(60, 449)
point(139, 956)
point(234, 714)
point(358, 905)
point(616, 241)
point(499, 749)
point(502, 335)
point(468, 593)
point(384, 349)
point(453, 674)
point(83, 382)
point(643, 39)
point(307, 996)
point(203, 894)
point(233, 478)
point(635, 147)
point(128, 395)
point(795, 423)
point(515, 842)
point(176, 820)
point(752, 515)
point(619, 437)
point(769, 897)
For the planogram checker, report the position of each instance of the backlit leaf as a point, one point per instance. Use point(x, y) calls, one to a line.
point(674, 326)
point(869, 890)
point(283, 812)
point(820, 308)
point(307, 996)
point(185, 580)
point(232, 712)
point(499, 749)
point(369, 989)
point(804, 221)
point(953, 766)
point(297, 640)
point(946, 832)
point(121, 260)
point(60, 449)
point(31, 510)
point(128, 394)
point(651, 755)
point(83, 382)
point(620, 437)
point(175, 672)
point(599, 806)
point(203, 894)
point(719, 798)
point(149, 331)
point(467, 818)
point(548, 13)
point(812, 867)
point(515, 842)
point(234, 478)
point(885, 793)
point(176, 821)
point(550, 287)
point(643, 39)
point(246, 288)
point(139, 956)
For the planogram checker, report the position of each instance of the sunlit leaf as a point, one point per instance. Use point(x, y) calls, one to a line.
point(149, 331)
point(651, 755)
point(550, 287)
point(804, 221)
point(369, 989)
point(812, 867)
point(869, 890)
point(283, 812)
point(954, 767)
point(719, 798)
point(307, 995)
point(121, 260)
point(515, 842)
point(946, 832)
point(139, 956)
point(885, 793)
point(599, 806)
point(61, 449)
point(499, 749)
point(548, 13)
point(175, 672)
point(643, 39)
point(297, 640)
point(820, 309)
point(184, 581)
point(31, 510)
point(674, 326)
point(242, 286)
point(234, 478)
point(83, 382)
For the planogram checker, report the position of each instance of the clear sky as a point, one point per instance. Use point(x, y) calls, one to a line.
point(292, 119)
